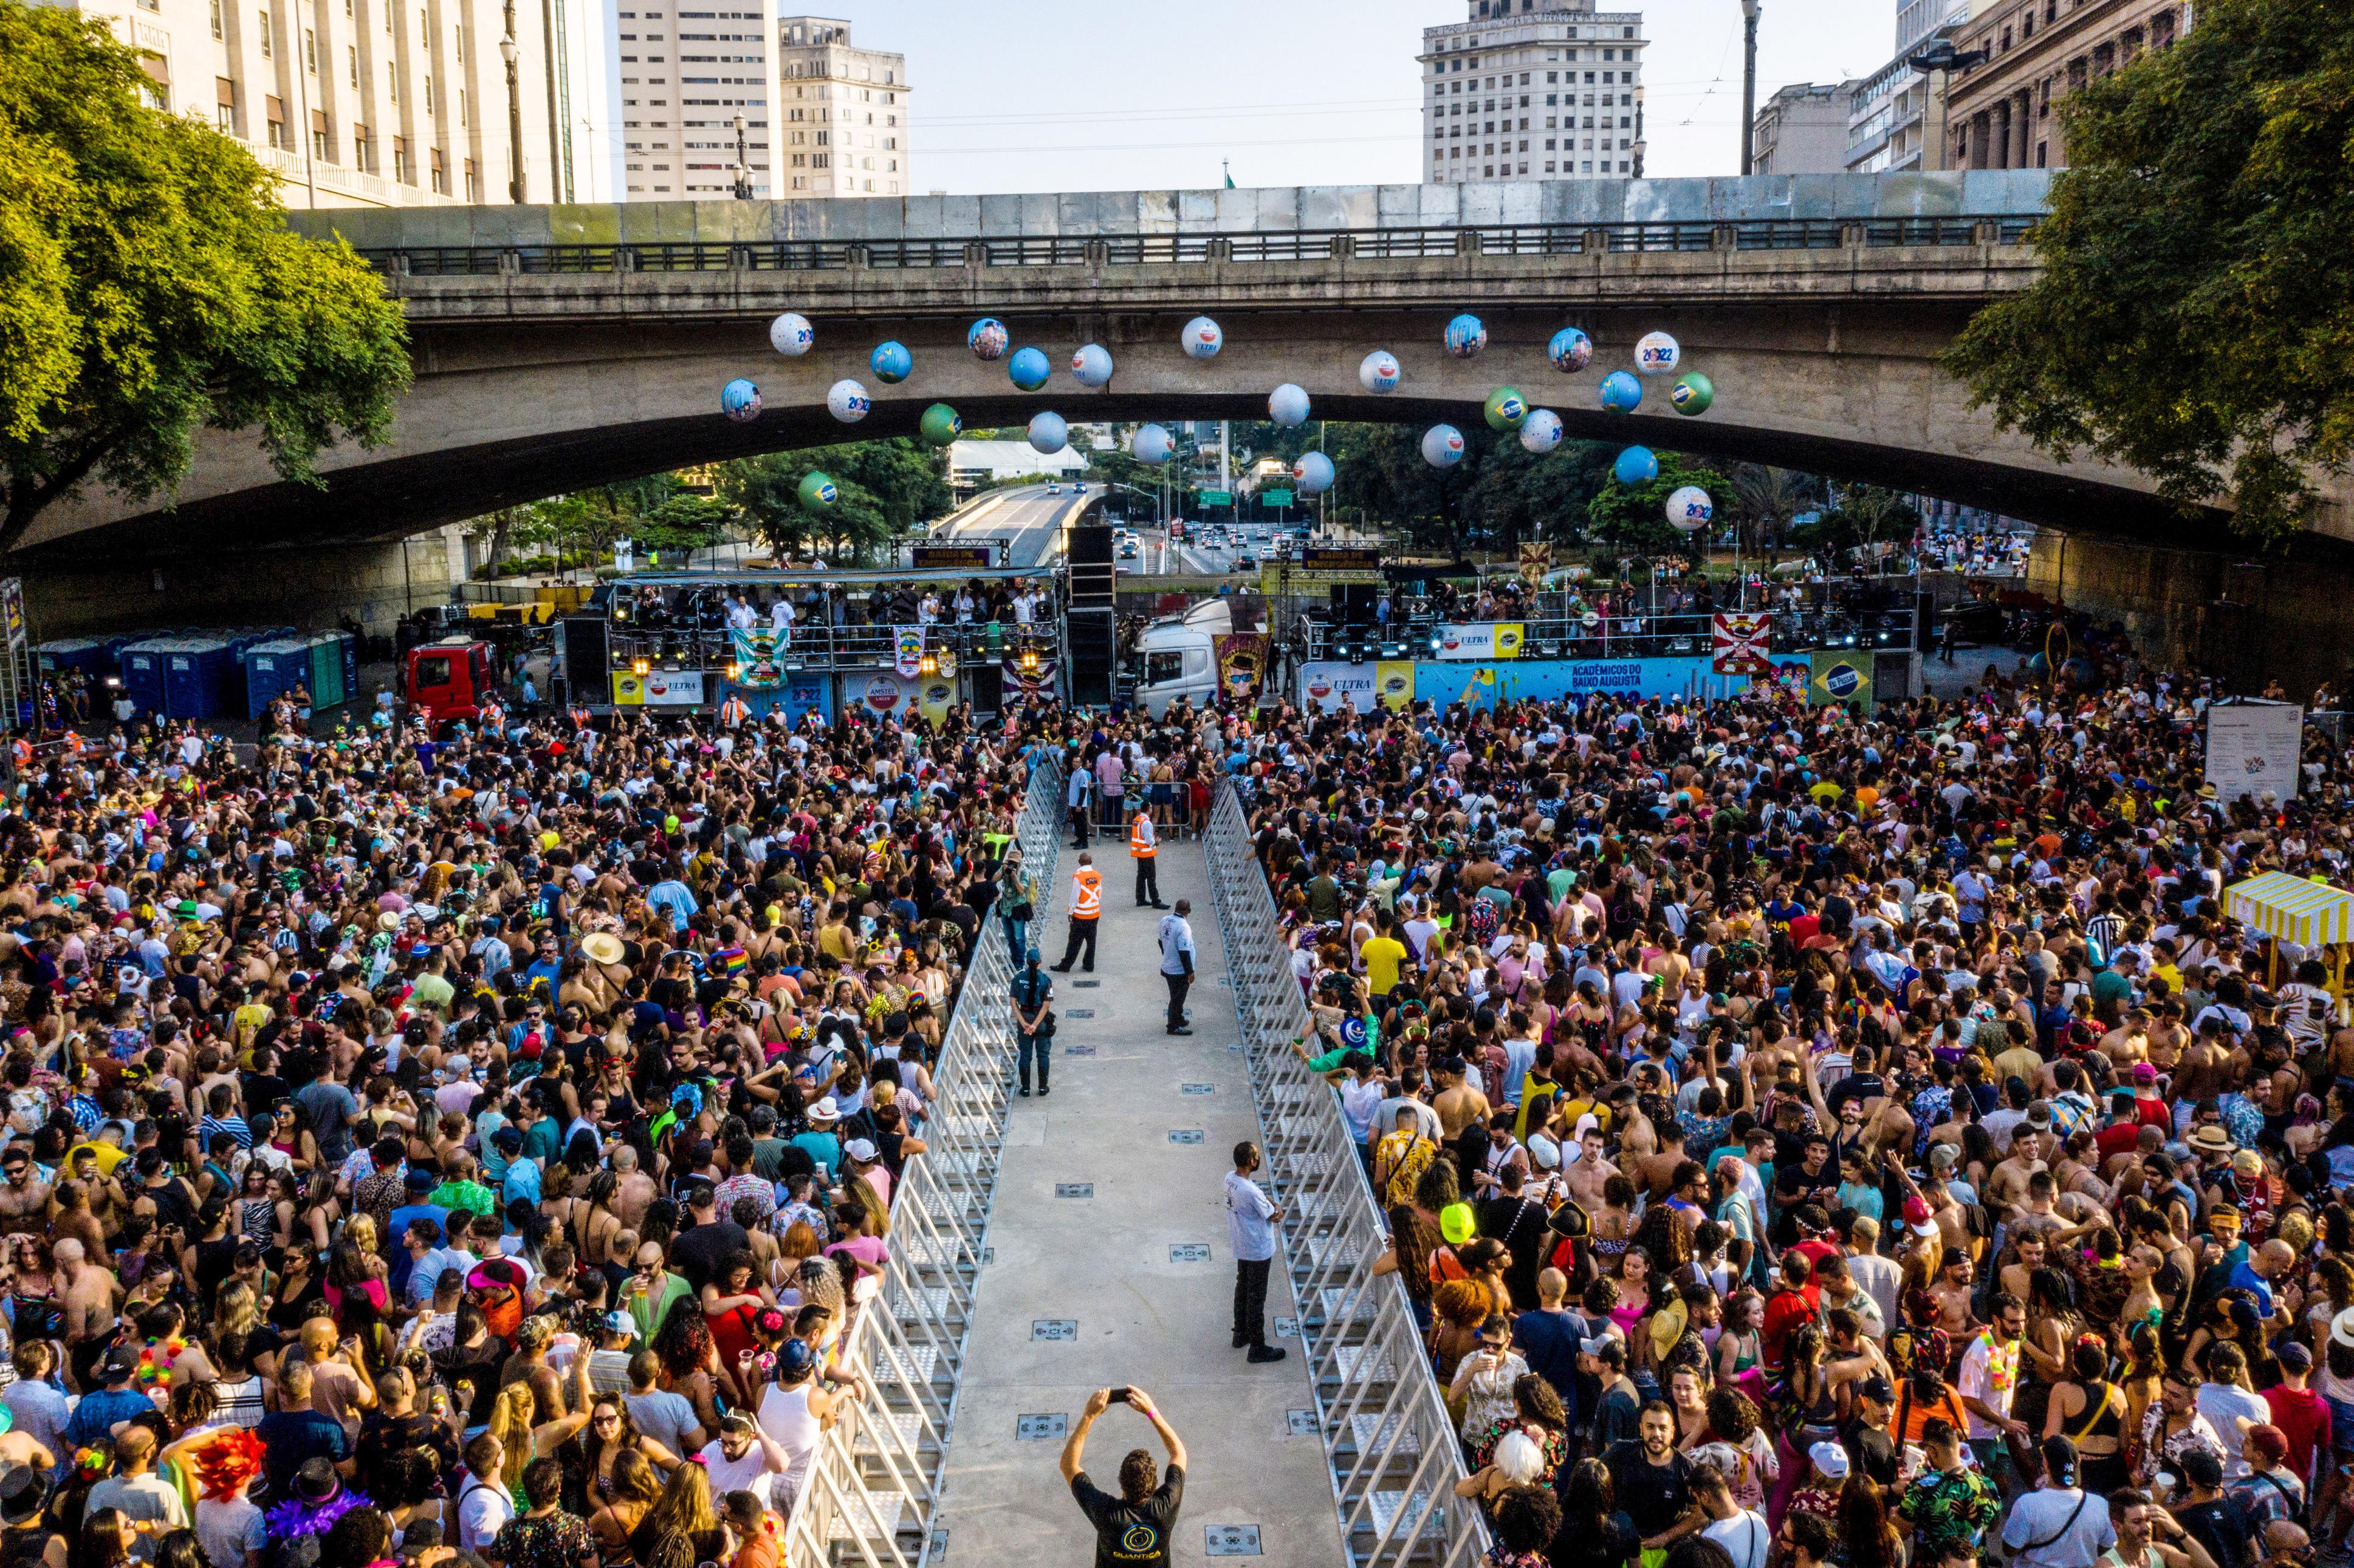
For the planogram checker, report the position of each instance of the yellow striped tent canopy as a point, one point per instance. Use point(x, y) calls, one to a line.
point(2292, 908)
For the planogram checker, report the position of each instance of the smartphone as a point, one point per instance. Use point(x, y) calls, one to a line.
point(1120, 1396)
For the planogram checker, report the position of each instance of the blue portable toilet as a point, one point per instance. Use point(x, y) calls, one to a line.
point(142, 673)
point(201, 681)
point(89, 656)
point(272, 668)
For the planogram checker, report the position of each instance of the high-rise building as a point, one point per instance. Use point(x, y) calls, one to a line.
point(818, 117)
point(841, 112)
point(1802, 130)
point(1533, 90)
point(359, 102)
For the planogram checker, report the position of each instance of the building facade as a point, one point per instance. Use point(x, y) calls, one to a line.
point(1802, 130)
point(820, 117)
point(359, 102)
point(1533, 90)
point(2001, 114)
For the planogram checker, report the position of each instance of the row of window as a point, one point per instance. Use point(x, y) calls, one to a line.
point(1492, 148)
point(1626, 122)
point(1505, 170)
point(1455, 66)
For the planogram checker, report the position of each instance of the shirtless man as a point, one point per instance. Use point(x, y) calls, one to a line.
point(71, 1217)
point(2007, 1186)
point(1952, 1294)
point(2203, 1073)
point(2128, 1042)
point(91, 1296)
point(1586, 1175)
point(1457, 1104)
point(635, 1192)
point(24, 1198)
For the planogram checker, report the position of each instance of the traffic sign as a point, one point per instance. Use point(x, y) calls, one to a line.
point(1277, 498)
point(1216, 498)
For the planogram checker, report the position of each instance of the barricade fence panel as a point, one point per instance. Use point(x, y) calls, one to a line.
point(870, 1494)
point(1394, 1453)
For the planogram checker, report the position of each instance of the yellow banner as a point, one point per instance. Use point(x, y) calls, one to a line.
point(629, 690)
point(935, 695)
point(1510, 634)
point(1393, 683)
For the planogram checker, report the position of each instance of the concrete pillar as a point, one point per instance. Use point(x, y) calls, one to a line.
point(1467, 242)
point(976, 254)
point(1343, 246)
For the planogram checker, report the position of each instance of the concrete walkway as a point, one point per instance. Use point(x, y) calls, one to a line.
point(1144, 1124)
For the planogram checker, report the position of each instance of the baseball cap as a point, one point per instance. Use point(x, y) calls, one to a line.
point(796, 1358)
point(1831, 1459)
point(861, 1150)
point(2143, 1072)
point(618, 1322)
point(120, 1362)
point(2296, 1357)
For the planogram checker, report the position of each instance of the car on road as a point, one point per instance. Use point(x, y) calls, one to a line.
point(1246, 563)
point(1127, 551)
point(1080, 488)
point(1054, 490)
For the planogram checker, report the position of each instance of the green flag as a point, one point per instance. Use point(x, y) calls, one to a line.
point(1229, 168)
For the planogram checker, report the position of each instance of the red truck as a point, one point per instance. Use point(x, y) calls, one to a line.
point(450, 680)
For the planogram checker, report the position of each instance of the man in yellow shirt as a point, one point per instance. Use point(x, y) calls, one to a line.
point(1384, 956)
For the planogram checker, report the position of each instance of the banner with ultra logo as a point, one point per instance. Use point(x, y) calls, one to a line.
point(910, 660)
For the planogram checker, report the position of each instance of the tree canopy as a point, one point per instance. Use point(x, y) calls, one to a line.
point(147, 288)
point(886, 488)
point(2195, 315)
point(1633, 518)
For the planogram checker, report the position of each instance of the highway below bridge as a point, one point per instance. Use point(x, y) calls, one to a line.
point(1028, 519)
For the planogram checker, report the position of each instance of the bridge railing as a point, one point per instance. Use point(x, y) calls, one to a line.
point(1298, 246)
point(1394, 1454)
point(871, 1494)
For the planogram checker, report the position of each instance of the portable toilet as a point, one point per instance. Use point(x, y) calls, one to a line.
point(142, 673)
point(89, 656)
point(201, 681)
point(272, 668)
point(335, 668)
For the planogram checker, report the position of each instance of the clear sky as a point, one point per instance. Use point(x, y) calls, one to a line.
point(1016, 95)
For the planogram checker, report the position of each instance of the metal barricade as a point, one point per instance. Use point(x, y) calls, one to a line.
point(1396, 1454)
point(871, 1495)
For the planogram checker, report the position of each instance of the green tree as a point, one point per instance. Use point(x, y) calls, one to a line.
point(147, 289)
point(883, 490)
point(1764, 498)
point(1633, 518)
point(1866, 515)
point(2195, 315)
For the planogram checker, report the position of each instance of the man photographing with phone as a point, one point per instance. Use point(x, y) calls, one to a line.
point(1132, 1528)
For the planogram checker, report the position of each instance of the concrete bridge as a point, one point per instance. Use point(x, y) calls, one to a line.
point(561, 346)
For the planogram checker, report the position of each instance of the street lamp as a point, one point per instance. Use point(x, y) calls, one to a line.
point(515, 112)
point(1749, 87)
point(743, 165)
point(1941, 56)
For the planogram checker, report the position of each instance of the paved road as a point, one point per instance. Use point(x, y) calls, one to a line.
point(1133, 1281)
point(1030, 517)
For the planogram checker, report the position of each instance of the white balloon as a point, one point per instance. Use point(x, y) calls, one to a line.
point(1381, 372)
point(1541, 431)
point(848, 402)
point(1691, 509)
point(1312, 473)
point(1287, 404)
point(1202, 338)
point(1150, 444)
point(1048, 433)
point(1658, 355)
point(1092, 366)
point(790, 335)
point(1442, 446)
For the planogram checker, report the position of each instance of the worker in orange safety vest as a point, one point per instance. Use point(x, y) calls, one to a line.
point(1143, 844)
point(1087, 910)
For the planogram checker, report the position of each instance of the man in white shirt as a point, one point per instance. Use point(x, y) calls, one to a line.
point(485, 1504)
point(1251, 1221)
point(743, 1458)
point(1177, 961)
point(1743, 1535)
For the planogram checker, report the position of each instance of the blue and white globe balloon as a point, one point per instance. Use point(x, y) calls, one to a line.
point(1048, 433)
point(1541, 431)
point(1202, 338)
point(1621, 393)
point(790, 335)
point(1029, 368)
point(1312, 473)
point(848, 402)
point(1658, 355)
point(891, 362)
point(1442, 446)
point(989, 339)
point(1636, 465)
point(740, 401)
point(1466, 336)
point(1150, 444)
point(1570, 351)
point(1092, 366)
point(1287, 405)
point(1691, 509)
point(1380, 373)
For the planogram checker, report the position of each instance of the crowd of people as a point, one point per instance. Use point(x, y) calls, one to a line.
point(472, 1147)
point(1812, 1138)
